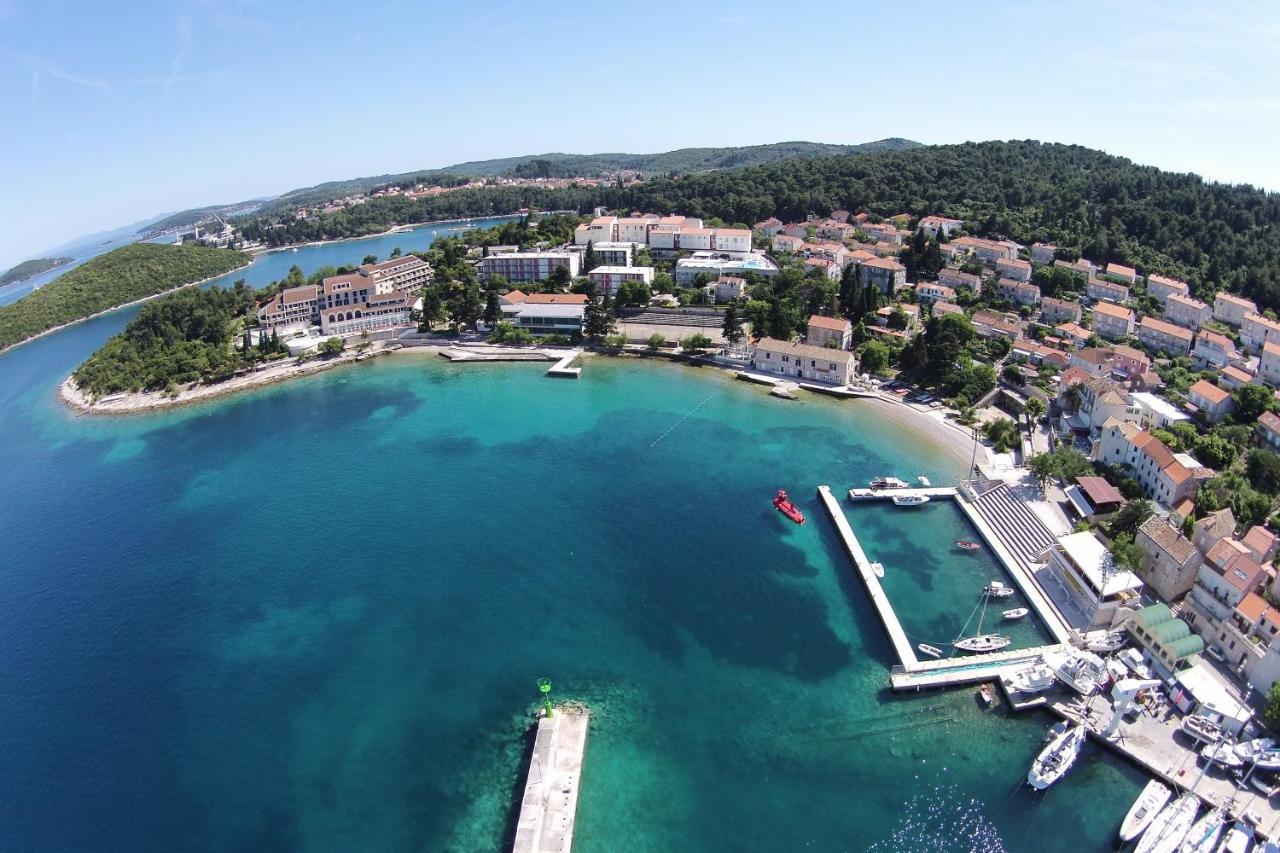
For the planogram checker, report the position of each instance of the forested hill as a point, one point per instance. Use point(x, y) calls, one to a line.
point(684, 160)
point(26, 269)
point(110, 280)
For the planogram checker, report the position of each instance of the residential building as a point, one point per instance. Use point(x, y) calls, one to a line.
point(1164, 337)
point(1262, 544)
point(1269, 364)
point(835, 332)
point(1091, 578)
point(832, 230)
point(941, 309)
point(886, 274)
point(931, 225)
point(1042, 253)
point(1076, 334)
point(1112, 322)
point(1096, 361)
point(1170, 562)
point(784, 243)
point(1054, 311)
point(1234, 377)
point(1185, 311)
point(1162, 477)
point(612, 254)
point(1213, 349)
point(987, 251)
point(769, 227)
point(804, 361)
point(608, 280)
point(1083, 268)
point(1268, 430)
point(529, 266)
point(990, 324)
point(1161, 288)
point(1231, 309)
point(1214, 402)
point(1155, 412)
point(952, 277)
point(828, 268)
point(1014, 268)
point(1215, 527)
point(1018, 292)
point(551, 313)
point(883, 232)
point(1120, 272)
point(1220, 587)
point(731, 288)
point(1128, 362)
point(716, 264)
point(1257, 330)
point(1107, 291)
point(929, 292)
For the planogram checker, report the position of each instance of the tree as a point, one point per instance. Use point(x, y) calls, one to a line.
point(365, 341)
point(633, 293)
point(597, 321)
point(492, 307)
point(732, 328)
point(656, 340)
point(1130, 517)
point(559, 279)
point(589, 258)
point(1002, 433)
point(1064, 464)
point(395, 253)
point(1251, 401)
point(432, 307)
point(1214, 451)
point(1263, 470)
point(1035, 408)
point(370, 259)
point(874, 357)
point(696, 343)
point(1271, 714)
point(332, 346)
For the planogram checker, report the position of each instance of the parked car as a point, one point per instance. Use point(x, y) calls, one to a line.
point(1216, 654)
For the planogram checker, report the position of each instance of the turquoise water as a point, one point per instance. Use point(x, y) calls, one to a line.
point(310, 618)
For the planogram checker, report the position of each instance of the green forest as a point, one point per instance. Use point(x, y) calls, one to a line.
point(26, 269)
point(1105, 207)
point(105, 282)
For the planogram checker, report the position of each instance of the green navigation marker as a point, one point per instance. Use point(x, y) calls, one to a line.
point(544, 687)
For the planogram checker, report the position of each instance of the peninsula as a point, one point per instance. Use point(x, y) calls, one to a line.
point(27, 269)
point(125, 275)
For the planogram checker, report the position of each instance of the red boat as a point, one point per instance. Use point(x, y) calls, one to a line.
point(784, 505)
point(966, 545)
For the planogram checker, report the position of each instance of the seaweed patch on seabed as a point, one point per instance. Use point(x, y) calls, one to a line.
point(939, 819)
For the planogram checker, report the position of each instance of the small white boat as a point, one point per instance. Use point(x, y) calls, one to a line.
point(1144, 809)
point(1263, 784)
point(983, 643)
point(1239, 838)
point(1252, 750)
point(1269, 760)
point(1201, 729)
point(1222, 754)
point(878, 569)
point(1170, 826)
point(888, 483)
point(995, 589)
point(1102, 641)
point(1016, 613)
point(931, 651)
point(924, 481)
point(1056, 759)
point(1033, 679)
point(1204, 833)
point(910, 500)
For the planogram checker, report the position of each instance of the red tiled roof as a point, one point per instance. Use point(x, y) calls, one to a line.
point(835, 324)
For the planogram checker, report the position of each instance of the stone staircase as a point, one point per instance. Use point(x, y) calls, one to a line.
point(1020, 528)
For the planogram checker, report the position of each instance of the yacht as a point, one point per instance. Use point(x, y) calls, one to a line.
point(1103, 641)
point(1252, 750)
point(888, 483)
point(1222, 754)
point(1201, 729)
point(983, 643)
point(1204, 834)
point(1081, 671)
point(1239, 838)
point(1056, 759)
point(1170, 826)
point(1144, 809)
point(995, 589)
point(1033, 679)
point(910, 500)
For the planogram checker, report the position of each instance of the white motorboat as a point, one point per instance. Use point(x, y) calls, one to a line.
point(1201, 729)
point(1133, 659)
point(995, 589)
point(983, 643)
point(1239, 838)
point(1103, 641)
point(1081, 671)
point(1016, 613)
point(924, 481)
point(1204, 833)
point(888, 483)
point(1269, 760)
point(1222, 754)
point(1144, 809)
point(1262, 783)
point(1056, 759)
point(931, 651)
point(1252, 750)
point(878, 569)
point(1170, 826)
point(910, 500)
point(1033, 679)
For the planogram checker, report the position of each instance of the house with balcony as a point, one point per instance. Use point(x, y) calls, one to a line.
point(1018, 292)
point(1096, 585)
point(1170, 562)
point(1014, 268)
point(1112, 322)
point(831, 332)
point(803, 361)
point(1106, 291)
point(1186, 312)
point(885, 274)
point(1257, 330)
point(1164, 337)
point(990, 324)
point(1219, 589)
point(608, 280)
point(1129, 363)
point(929, 292)
point(1231, 309)
point(1164, 477)
point(1054, 311)
point(1121, 273)
point(960, 280)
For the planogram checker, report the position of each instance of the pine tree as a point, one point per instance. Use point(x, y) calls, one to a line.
point(589, 258)
point(732, 330)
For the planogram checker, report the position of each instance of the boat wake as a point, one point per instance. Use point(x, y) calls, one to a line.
point(940, 819)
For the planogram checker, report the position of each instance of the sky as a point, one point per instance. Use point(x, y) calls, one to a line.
point(118, 112)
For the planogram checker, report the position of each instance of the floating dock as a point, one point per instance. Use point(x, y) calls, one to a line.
point(562, 369)
point(550, 803)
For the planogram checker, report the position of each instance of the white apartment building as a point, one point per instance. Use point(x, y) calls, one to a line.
point(1161, 287)
point(529, 266)
point(607, 280)
point(1257, 330)
point(1231, 309)
point(1164, 337)
point(1187, 312)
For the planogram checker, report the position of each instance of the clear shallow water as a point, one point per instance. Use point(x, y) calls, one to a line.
point(311, 618)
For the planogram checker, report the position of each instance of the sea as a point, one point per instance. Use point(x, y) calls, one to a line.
point(312, 617)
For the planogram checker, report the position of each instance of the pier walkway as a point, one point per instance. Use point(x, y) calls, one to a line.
point(562, 369)
point(890, 494)
point(550, 803)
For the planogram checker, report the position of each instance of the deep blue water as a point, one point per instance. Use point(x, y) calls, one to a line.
point(311, 617)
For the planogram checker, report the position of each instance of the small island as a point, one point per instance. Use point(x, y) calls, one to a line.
point(125, 275)
point(27, 269)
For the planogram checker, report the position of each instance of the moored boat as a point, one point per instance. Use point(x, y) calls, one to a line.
point(931, 651)
point(1081, 671)
point(1222, 754)
point(877, 569)
point(1033, 679)
point(1056, 759)
point(1204, 833)
point(1016, 613)
point(983, 643)
point(924, 481)
point(995, 589)
point(1239, 838)
point(968, 545)
point(1170, 826)
point(1252, 750)
point(1102, 641)
point(910, 500)
point(784, 505)
point(888, 483)
point(1201, 729)
point(1144, 809)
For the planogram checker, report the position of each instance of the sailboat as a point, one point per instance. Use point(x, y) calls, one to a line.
point(1204, 834)
point(1170, 826)
point(1144, 809)
point(1056, 759)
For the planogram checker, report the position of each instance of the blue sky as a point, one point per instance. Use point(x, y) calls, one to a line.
point(118, 111)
